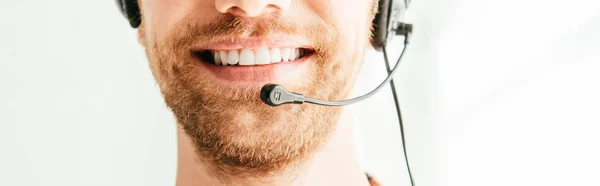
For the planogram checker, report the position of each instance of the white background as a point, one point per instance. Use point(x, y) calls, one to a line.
point(492, 92)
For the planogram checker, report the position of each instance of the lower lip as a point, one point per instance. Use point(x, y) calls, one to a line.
point(271, 73)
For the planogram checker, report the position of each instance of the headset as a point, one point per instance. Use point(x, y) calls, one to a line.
point(386, 24)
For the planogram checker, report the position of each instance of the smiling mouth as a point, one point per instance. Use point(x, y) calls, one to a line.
point(253, 57)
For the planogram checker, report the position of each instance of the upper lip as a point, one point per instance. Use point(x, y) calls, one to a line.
point(285, 41)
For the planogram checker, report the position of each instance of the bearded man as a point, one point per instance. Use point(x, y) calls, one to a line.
point(210, 59)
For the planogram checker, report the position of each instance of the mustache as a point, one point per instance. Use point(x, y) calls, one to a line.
point(191, 32)
point(225, 27)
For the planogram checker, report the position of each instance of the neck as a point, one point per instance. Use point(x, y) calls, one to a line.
point(335, 164)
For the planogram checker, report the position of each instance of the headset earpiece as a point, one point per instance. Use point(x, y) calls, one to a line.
point(386, 21)
point(380, 25)
point(131, 11)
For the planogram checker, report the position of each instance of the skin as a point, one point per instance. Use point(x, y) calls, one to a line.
point(227, 135)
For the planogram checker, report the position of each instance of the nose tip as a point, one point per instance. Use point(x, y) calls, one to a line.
point(250, 8)
point(248, 11)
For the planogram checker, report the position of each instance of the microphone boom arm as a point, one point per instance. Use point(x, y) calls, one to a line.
point(275, 95)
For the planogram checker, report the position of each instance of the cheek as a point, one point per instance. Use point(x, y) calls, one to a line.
point(161, 16)
point(349, 17)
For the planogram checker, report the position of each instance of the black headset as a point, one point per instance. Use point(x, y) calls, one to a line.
point(386, 24)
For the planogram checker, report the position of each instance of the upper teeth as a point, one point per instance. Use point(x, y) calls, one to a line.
point(261, 56)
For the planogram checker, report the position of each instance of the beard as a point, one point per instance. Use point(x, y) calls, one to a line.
point(231, 129)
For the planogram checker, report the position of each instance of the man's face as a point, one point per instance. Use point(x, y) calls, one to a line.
point(314, 47)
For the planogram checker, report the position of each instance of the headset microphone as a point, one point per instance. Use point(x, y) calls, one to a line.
point(275, 95)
